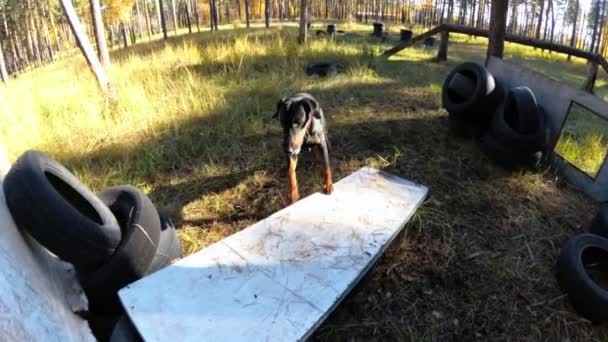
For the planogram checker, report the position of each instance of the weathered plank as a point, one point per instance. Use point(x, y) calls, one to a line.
point(281, 277)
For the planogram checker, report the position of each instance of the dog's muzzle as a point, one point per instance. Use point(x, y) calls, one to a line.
point(293, 153)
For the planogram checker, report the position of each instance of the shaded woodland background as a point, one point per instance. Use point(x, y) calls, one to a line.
point(35, 32)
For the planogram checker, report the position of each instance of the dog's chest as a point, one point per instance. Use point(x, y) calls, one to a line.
point(315, 133)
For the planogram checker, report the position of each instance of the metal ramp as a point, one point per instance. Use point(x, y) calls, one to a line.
point(278, 279)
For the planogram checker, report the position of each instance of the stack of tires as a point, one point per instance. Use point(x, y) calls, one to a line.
point(582, 269)
point(510, 126)
point(112, 238)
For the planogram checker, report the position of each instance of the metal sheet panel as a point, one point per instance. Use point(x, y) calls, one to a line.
point(280, 278)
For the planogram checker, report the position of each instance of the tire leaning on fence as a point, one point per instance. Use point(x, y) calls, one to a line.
point(470, 94)
point(520, 123)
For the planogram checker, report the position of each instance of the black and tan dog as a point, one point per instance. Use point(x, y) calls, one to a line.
point(304, 127)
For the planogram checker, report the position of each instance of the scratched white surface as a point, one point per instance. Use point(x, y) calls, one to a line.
point(38, 292)
point(278, 279)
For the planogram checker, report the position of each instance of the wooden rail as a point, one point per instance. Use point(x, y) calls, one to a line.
point(594, 58)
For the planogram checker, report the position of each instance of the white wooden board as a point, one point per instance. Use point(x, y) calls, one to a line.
point(38, 292)
point(278, 279)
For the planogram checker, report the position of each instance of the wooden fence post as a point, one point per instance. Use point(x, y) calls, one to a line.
point(442, 54)
point(591, 76)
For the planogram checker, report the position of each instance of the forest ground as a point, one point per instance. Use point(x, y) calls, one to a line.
point(192, 127)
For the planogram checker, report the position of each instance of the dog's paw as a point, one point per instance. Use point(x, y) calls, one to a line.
point(328, 188)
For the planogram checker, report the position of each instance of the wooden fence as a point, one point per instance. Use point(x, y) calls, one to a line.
point(594, 59)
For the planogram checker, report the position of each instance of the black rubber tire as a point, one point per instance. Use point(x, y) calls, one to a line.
point(506, 157)
point(599, 224)
point(507, 135)
point(462, 86)
point(139, 220)
point(429, 41)
point(378, 29)
point(169, 247)
point(484, 86)
point(587, 297)
point(322, 69)
point(125, 331)
point(60, 212)
point(320, 33)
point(521, 110)
point(406, 35)
point(481, 117)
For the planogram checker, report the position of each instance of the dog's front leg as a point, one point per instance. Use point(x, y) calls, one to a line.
point(328, 187)
point(293, 180)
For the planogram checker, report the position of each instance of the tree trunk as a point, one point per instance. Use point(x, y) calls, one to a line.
point(140, 25)
point(3, 72)
point(163, 22)
point(601, 28)
point(42, 14)
point(573, 37)
point(549, 4)
point(540, 19)
point(160, 17)
point(552, 23)
point(247, 12)
point(85, 45)
point(34, 33)
point(100, 38)
point(213, 14)
point(16, 65)
point(450, 11)
point(186, 7)
point(123, 31)
point(591, 77)
point(442, 54)
point(174, 14)
point(53, 26)
point(498, 23)
point(196, 16)
point(148, 22)
point(281, 10)
point(132, 33)
point(267, 11)
point(513, 23)
point(303, 20)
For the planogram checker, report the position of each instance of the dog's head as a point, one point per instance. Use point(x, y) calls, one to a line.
point(295, 115)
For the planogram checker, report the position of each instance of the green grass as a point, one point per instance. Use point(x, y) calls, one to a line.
point(192, 127)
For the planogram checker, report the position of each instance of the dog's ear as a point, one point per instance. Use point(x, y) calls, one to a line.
point(317, 113)
point(309, 105)
point(312, 106)
point(281, 108)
